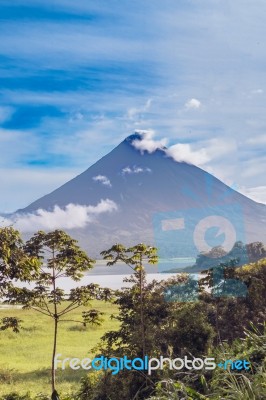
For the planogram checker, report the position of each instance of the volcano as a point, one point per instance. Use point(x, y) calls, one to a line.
point(147, 189)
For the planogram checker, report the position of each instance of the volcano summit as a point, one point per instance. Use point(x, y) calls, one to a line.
point(119, 197)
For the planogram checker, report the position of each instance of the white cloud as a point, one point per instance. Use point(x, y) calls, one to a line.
point(102, 179)
point(200, 153)
point(147, 143)
point(183, 152)
point(145, 133)
point(134, 170)
point(193, 104)
point(71, 217)
point(255, 193)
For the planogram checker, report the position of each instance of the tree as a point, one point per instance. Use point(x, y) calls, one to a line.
point(15, 264)
point(237, 294)
point(134, 257)
point(169, 332)
point(59, 256)
point(181, 327)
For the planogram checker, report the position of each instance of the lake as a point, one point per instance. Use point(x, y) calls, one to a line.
point(111, 277)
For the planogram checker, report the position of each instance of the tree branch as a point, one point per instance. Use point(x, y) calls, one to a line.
point(42, 312)
point(68, 310)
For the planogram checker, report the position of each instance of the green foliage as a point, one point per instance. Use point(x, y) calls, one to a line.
point(171, 318)
point(232, 314)
point(15, 262)
point(16, 396)
point(58, 250)
point(191, 332)
point(225, 384)
point(242, 385)
point(142, 309)
point(170, 327)
point(92, 317)
point(40, 396)
point(26, 357)
point(58, 256)
point(182, 289)
point(95, 387)
point(174, 390)
point(12, 323)
point(105, 386)
point(134, 257)
point(176, 327)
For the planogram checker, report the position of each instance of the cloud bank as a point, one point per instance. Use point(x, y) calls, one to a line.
point(73, 216)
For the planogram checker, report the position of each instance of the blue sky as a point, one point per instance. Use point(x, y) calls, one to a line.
point(78, 77)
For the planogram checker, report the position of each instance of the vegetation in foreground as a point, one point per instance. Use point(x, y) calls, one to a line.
point(184, 319)
point(221, 316)
point(25, 363)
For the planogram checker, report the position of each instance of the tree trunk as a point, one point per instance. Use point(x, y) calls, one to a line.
point(54, 352)
point(142, 311)
point(55, 325)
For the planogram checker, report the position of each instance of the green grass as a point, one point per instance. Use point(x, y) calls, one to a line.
point(25, 357)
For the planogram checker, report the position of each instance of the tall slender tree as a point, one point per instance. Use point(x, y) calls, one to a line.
point(59, 257)
point(135, 257)
point(15, 264)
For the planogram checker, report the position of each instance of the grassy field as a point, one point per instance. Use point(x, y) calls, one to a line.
point(26, 356)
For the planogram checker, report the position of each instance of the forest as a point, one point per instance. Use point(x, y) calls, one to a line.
point(220, 315)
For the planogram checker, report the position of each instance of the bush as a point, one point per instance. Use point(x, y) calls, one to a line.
point(16, 396)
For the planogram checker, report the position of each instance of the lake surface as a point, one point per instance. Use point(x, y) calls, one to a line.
point(111, 281)
point(111, 276)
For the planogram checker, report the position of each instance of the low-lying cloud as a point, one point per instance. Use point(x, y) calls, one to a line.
point(134, 170)
point(72, 216)
point(102, 179)
point(182, 152)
